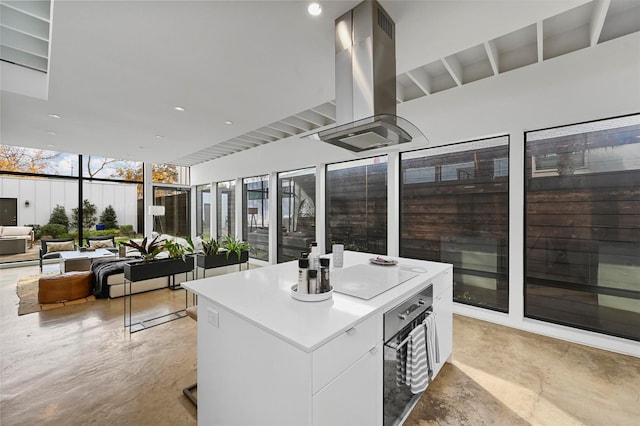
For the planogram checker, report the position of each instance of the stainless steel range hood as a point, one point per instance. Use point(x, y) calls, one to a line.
point(366, 83)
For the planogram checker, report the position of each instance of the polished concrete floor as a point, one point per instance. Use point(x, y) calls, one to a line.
point(76, 366)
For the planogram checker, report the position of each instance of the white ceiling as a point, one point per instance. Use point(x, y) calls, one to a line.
point(117, 68)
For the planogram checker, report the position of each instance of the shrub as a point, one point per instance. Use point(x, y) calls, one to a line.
point(127, 230)
point(54, 230)
point(109, 218)
point(37, 231)
point(59, 217)
point(88, 215)
point(102, 233)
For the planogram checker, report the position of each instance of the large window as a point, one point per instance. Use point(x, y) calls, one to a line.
point(177, 207)
point(170, 173)
point(296, 212)
point(582, 248)
point(255, 215)
point(226, 208)
point(109, 182)
point(357, 205)
point(203, 211)
point(454, 208)
point(15, 159)
point(40, 182)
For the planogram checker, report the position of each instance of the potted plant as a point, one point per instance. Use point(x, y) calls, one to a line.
point(236, 249)
point(214, 254)
point(177, 263)
point(210, 247)
point(147, 252)
point(177, 250)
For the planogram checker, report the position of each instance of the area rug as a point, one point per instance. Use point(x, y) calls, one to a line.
point(27, 290)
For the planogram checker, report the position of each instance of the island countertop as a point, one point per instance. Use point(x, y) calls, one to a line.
point(262, 296)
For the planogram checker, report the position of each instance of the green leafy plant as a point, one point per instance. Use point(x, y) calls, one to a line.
point(233, 245)
point(88, 215)
point(53, 230)
point(109, 218)
point(59, 217)
point(177, 250)
point(127, 230)
point(148, 252)
point(210, 247)
point(102, 233)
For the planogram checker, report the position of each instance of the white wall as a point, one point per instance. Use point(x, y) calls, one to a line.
point(44, 194)
point(598, 82)
point(593, 83)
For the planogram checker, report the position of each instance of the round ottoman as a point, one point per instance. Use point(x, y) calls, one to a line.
point(67, 286)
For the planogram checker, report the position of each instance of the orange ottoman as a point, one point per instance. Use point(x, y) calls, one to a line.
point(67, 286)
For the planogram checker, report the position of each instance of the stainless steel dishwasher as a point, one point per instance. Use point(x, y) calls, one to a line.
point(398, 322)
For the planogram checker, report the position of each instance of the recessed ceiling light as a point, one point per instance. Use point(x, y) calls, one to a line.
point(314, 9)
point(51, 132)
point(178, 108)
point(159, 137)
point(54, 116)
point(228, 122)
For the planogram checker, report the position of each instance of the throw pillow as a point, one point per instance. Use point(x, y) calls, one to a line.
point(96, 244)
point(16, 231)
point(63, 246)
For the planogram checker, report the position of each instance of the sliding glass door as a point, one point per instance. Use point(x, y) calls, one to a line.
point(296, 212)
point(176, 202)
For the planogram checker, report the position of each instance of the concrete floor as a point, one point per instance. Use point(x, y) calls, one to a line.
point(76, 366)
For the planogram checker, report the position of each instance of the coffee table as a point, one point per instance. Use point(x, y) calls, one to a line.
point(81, 260)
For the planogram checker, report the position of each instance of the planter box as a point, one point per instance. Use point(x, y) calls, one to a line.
point(157, 268)
point(220, 259)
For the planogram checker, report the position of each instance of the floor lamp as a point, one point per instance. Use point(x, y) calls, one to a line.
point(156, 212)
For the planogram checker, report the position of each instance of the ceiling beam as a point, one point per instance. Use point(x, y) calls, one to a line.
point(328, 110)
point(313, 117)
point(540, 40)
point(452, 64)
point(298, 123)
point(270, 132)
point(597, 20)
point(420, 79)
point(492, 53)
point(284, 128)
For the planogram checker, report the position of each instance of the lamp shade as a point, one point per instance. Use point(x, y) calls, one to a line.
point(156, 210)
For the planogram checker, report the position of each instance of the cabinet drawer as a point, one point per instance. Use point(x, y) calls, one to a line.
point(337, 355)
point(355, 397)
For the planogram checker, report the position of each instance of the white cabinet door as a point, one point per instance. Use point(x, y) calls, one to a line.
point(355, 397)
point(337, 355)
point(443, 308)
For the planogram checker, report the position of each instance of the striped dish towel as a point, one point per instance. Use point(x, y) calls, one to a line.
point(417, 369)
point(431, 337)
point(401, 362)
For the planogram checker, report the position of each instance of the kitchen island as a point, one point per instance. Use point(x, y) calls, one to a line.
point(265, 358)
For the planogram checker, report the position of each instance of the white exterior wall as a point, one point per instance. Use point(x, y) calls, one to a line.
point(590, 84)
point(44, 194)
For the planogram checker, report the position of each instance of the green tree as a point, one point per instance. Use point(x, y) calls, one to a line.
point(59, 217)
point(109, 218)
point(53, 230)
point(88, 215)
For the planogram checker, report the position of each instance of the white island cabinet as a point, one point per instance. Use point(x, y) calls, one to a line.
point(265, 358)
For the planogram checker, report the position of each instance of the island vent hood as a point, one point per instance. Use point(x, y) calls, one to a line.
point(366, 83)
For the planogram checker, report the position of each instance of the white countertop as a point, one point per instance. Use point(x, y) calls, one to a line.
point(263, 297)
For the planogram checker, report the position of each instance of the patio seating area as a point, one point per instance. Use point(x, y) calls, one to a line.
point(31, 254)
